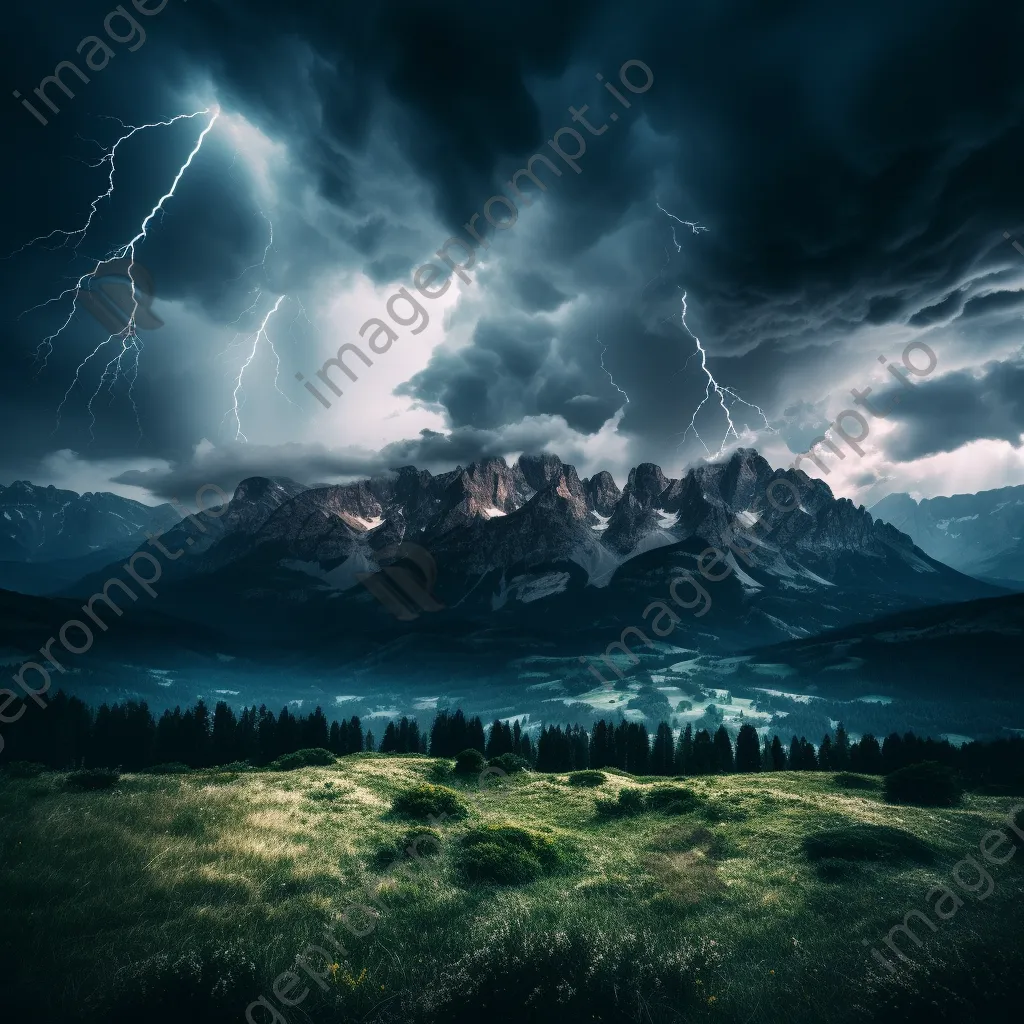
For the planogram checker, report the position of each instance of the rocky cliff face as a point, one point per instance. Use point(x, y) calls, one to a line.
point(602, 492)
point(537, 517)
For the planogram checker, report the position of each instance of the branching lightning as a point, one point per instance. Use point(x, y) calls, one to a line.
point(260, 334)
point(609, 373)
point(712, 386)
point(238, 394)
point(125, 363)
point(122, 362)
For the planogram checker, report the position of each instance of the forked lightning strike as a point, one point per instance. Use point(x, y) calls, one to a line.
point(124, 364)
point(712, 385)
point(238, 394)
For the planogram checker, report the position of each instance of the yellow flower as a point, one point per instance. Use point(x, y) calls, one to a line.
point(712, 999)
point(771, 972)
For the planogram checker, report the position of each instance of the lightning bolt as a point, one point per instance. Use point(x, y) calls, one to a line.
point(238, 394)
point(712, 387)
point(607, 371)
point(125, 363)
point(260, 334)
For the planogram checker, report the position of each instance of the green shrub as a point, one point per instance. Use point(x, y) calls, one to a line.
point(24, 769)
point(469, 762)
point(849, 780)
point(441, 770)
point(587, 777)
point(507, 855)
point(303, 759)
point(510, 764)
point(672, 800)
point(92, 778)
point(170, 768)
point(429, 802)
point(421, 841)
point(867, 842)
point(629, 802)
point(928, 784)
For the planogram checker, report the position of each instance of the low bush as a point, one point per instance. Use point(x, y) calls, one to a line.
point(421, 841)
point(429, 802)
point(928, 784)
point(628, 803)
point(867, 842)
point(469, 762)
point(849, 780)
point(304, 758)
point(672, 800)
point(92, 778)
point(510, 764)
point(587, 777)
point(507, 855)
point(441, 770)
point(171, 768)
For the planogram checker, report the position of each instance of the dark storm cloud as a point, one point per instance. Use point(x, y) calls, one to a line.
point(512, 369)
point(536, 292)
point(856, 164)
point(227, 465)
point(941, 415)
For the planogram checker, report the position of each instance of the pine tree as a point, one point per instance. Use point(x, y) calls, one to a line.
point(355, 736)
point(807, 756)
point(662, 752)
point(474, 735)
point(723, 751)
point(866, 755)
point(494, 739)
point(369, 741)
point(703, 753)
point(222, 740)
point(825, 753)
point(892, 753)
point(778, 755)
point(389, 741)
point(684, 752)
point(748, 749)
point(795, 758)
point(841, 749)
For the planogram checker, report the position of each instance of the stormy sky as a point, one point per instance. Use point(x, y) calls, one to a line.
point(848, 171)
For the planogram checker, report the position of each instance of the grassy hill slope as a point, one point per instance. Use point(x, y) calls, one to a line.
point(185, 896)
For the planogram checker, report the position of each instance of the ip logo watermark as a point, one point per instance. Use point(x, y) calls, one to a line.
point(404, 588)
point(118, 295)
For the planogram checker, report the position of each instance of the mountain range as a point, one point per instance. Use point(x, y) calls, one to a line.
point(49, 538)
point(980, 534)
point(529, 565)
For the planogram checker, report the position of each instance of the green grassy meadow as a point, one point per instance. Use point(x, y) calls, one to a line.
point(185, 896)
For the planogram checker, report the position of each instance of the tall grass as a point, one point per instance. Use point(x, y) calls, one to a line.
point(187, 895)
